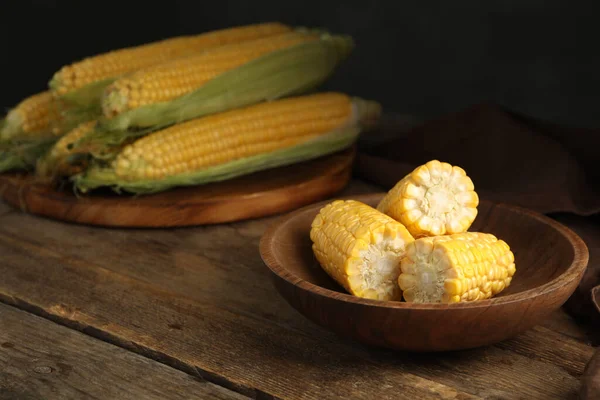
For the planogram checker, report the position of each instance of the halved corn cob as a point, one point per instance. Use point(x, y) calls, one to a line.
point(237, 142)
point(176, 78)
point(360, 248)
point(434, 199)
point(115, 63)
point(37, 116)
point(454, 268)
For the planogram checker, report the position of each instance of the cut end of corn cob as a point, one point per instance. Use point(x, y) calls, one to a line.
point(176, 78)
point(360, 248)
point(455, 268)
point(37, 116)
point(237, 134)
point(118, 62)
point(434, 199)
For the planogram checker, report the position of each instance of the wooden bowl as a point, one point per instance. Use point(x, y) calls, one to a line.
point(550, 260)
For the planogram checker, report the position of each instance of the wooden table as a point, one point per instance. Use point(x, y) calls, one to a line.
point(191, 313)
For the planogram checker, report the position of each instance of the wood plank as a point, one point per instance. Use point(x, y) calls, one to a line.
point(563, 323)
point(43, 360)
point(201, 300)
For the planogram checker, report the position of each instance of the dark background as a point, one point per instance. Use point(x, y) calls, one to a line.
point(418, 57)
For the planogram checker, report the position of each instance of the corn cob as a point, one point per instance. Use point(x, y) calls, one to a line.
point(232, 135)
point(37, 116)
point(237, 142)
point(55, 162)
point(434, 199)
point(455, 268)
point(360, 248)
point(289, 71)
point(176, 78)
point(107, 66)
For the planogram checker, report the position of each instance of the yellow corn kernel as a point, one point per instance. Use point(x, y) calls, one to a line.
point(440, 269)
point(360, 248)
point(232, 135)
point(37, 116)
point(119, 62)
point(176, 78)
point(434, 199)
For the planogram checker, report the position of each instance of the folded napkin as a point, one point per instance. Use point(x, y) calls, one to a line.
point(511, 158)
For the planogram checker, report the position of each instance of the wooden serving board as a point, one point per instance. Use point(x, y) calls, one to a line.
point(257, 195)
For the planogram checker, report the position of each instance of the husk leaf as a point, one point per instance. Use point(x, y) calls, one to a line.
point(86, 97)
point(22, 155)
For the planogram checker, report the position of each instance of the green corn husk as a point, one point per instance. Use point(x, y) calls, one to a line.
point(23, 155)
point(20, 155)
point(97, 176)
point(286, 72)
point(20, 152)
point(87, 97)
point(78, 115)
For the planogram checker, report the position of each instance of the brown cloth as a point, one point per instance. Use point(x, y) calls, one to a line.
point(511, 158)
point(590, 381)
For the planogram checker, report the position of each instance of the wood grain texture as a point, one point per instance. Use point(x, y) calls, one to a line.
point(43, 360)
point(201, 300)
point(550, 259)
point(260, 194)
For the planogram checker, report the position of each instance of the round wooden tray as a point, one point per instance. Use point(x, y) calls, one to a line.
point(258, 195)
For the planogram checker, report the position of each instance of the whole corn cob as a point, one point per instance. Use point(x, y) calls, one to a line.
point(97, 71)
point(434, 199)
point(236, 142)
point(288, 71)
point(232, 135)
point(37, 116)
point(454, 268)
point(176, 78)
point(360, 248)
